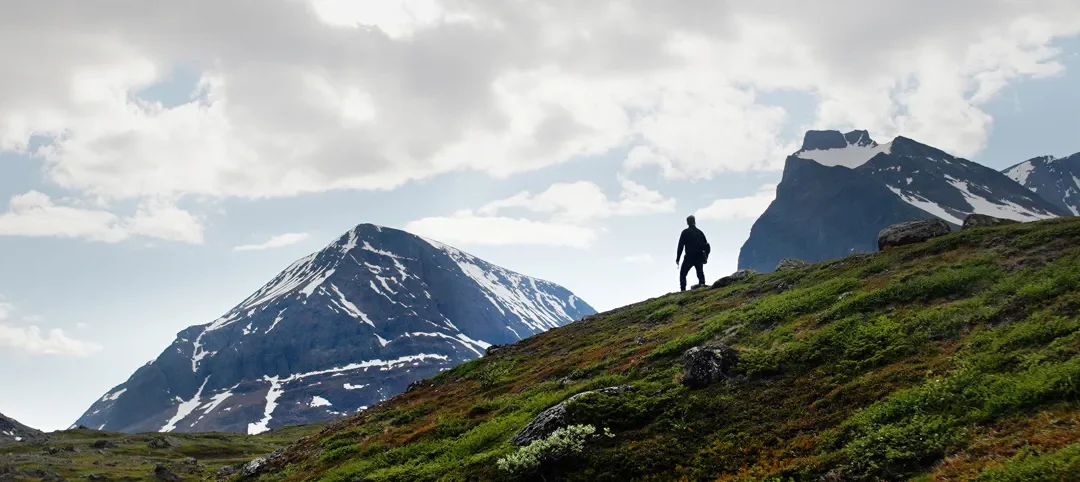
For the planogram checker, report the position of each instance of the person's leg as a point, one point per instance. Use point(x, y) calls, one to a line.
point(683, 271)
point(700, 267)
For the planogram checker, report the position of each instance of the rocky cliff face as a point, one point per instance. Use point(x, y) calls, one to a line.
point(336, 332)
point(1055, 179)
point(840, 190)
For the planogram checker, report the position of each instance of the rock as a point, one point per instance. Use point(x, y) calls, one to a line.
point(98, 477)
point(228, 471)
point(253, 468)
point(740, 275)
point(557, 417)
point(790, 264)
point(911, 232)
point(164, 442)
point(979, 220)
point(256, 466)
point(102, 444)
point(490, 350)
point(704, 366)
point(161, 472)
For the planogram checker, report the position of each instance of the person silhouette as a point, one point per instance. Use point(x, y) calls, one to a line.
point(693, 241)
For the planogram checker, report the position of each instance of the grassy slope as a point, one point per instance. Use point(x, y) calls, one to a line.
point(133, 459)
point(950, 360)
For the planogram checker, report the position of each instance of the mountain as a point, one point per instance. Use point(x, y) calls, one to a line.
point(336, 332)
point(12, 431)
point(1055, 179)
point(839, 190)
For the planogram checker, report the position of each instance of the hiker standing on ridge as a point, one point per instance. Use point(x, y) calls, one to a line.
point(697, 253)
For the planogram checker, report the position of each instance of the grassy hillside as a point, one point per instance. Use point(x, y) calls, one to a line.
point(84, 454)
point(954, 359)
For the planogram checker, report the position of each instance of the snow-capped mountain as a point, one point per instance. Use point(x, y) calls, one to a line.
point(12, 431)
point(1055, 179)
point(336, 332)
point(840, 190)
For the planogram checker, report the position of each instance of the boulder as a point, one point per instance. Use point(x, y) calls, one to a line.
point(790, 264)
point(557, 417)
point(102, 444)
point(740, 275)
point(161, 472)
point(706, 365)
point(911, 232)
point(164, 442)
point(979, 220)
point(256, 466)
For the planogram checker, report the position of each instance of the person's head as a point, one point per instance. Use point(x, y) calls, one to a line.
point(690, 221)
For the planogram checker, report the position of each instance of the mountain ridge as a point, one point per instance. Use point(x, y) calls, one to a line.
point(335, 332)
point(862, 187)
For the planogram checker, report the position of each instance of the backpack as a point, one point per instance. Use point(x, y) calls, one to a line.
point(705, 254)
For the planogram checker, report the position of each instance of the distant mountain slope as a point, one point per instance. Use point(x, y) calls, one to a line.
point(839, 190)
point(336, 332)
point(1056, 180)
point(13, 431)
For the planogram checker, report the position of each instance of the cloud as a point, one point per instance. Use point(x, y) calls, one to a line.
point(279, 241)
point(583, 202)
point(749, 207)
point(35, 214)
point(467, 228)
point(308, 96)
point(574, 212)
point(29, 340)
point(640, 258)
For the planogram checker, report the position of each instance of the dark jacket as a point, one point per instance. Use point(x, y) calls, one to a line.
point(695, 244)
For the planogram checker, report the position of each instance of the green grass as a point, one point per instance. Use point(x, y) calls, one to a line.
point(928, 362)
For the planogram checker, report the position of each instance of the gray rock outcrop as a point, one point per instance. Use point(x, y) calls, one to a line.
point(706, 365)
point(911, 232)
point(557, 417)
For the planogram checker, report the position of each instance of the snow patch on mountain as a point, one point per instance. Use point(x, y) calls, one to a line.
point(852, 156)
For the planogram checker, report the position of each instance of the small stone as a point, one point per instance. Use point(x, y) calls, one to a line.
point(704, 366)
point(738, 276)
point(911, 232)
point(790, 264)
point(979, 220)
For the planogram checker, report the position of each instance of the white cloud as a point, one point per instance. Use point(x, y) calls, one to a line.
point(573, 211)
point(328, 94)
point(29, 340)
point(640, 258)
point(279, 241)
point(35, 214)
point(749, 207)
point(582, 202)
point(467, 228)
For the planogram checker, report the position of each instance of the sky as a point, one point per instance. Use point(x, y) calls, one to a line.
point(160, 161)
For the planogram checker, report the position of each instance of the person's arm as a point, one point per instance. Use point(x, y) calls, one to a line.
point(682, 244)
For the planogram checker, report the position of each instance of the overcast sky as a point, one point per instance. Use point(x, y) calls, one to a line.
point(160, 161)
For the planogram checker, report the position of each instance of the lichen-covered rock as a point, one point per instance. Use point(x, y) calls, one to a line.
point(557, 417)
point(740, 275)
point(706, 365)
point(912, 232)
point(790, 264)
point(979, 220)
point(164, 442)
point(256, 466)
